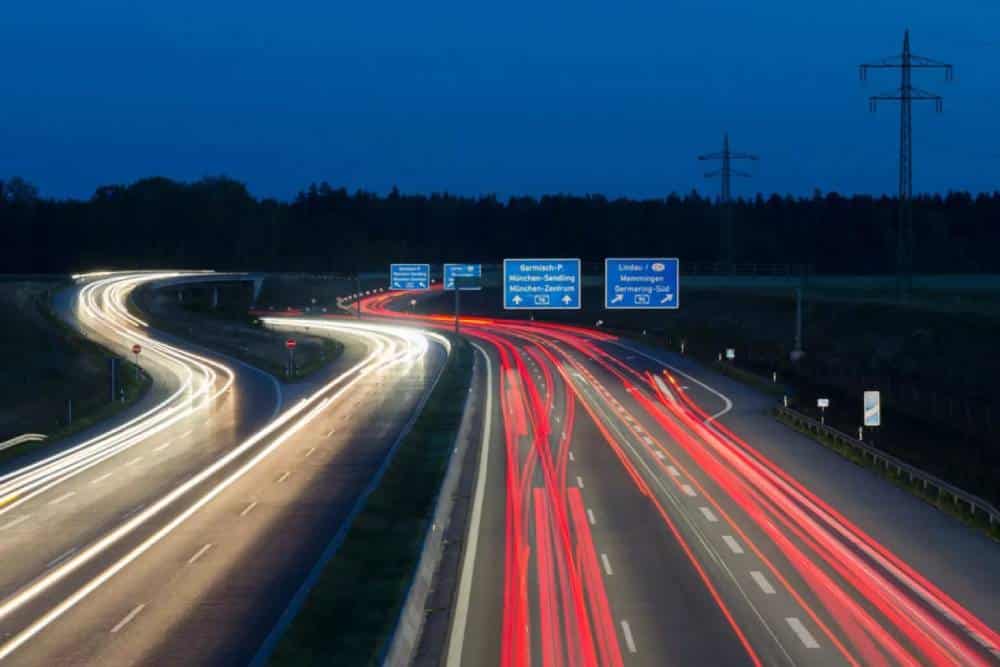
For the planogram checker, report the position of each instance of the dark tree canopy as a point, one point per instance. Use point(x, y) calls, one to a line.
point(217, 223)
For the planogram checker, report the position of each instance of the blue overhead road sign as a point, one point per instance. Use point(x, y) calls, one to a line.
point(409, 276)
point(541, 284)
point(474, 271)
point(641, 283)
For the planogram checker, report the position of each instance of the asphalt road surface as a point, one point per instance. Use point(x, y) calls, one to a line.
point(180, 535)
point(629, 512)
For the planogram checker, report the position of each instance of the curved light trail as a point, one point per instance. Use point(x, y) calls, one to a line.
point(102, 306)
point(842, 597)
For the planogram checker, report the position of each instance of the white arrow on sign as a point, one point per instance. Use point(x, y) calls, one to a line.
point(421, 283)
point(517, 300)
point(617, 297)
point(567, 299)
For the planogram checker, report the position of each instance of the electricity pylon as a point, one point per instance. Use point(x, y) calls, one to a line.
point(726, 172)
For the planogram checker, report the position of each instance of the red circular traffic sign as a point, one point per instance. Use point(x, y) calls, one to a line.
point(136, 349)
point(290, 343)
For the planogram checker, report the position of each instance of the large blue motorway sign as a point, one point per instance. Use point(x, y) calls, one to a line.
point(472, 271)
point(541, 284)
point(409, 276)
point(641, 283)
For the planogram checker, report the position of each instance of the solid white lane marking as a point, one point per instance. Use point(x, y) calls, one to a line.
point(571, 455)
point(762, 581)
point(579, 481)
point(607, 565)
point(283, 477)
point(804, 635)
point(708, 514)
point(62, 498)
point(629, 642)
point(468, 565)
point(19, 520)
point(248, 508)
point(128, 619)
point(163, 446)
point(686, 488)
point(101, 478)
point(673, 471)
point(590, 516)
point(199, 553)
point(310, 451)
point(134, 461)
point(733, 545)
point(58, 559)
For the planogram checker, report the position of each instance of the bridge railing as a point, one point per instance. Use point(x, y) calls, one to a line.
point(889, 462)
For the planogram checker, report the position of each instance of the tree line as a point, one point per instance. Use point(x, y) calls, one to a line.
point(216, 223)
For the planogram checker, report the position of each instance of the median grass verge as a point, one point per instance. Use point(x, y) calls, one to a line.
point(351, 613)
point(928, 494)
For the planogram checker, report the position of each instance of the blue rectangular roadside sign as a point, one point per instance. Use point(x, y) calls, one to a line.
point(409, 276)
point(541, 284)
point(452, 271)
point(641, 283)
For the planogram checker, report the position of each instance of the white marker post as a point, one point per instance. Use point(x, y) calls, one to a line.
point(822, 404)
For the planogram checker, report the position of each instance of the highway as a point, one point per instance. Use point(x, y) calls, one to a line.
point(181, 534)
point(634, 527)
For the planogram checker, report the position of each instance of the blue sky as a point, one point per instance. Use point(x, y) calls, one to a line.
point(509, 98)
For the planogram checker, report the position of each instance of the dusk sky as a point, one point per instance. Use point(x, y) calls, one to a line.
point(508, 98)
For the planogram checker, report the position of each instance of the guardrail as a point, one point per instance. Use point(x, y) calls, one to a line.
point(21, 439)
point(888, 461)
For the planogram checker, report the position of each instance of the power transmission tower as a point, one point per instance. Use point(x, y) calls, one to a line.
point(906, 62)
point(726, 172)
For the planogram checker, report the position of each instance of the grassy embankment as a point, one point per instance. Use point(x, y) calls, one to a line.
point(47, 364)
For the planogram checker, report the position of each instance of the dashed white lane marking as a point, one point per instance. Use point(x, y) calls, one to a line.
point(331, 433)
point(19, 520)
point(673, 471)
point(283, 477)
point(60, 558)
point(686, 488)
point(629, 642)
point(101, 478)
point(128, 619)
point(134, 461)
point(607, 565)
point(571, 458)
point(310, 451)
point(248, 508)
point(62, 498)
point(199, 553)
point(804, 635)
point(708, 514)
point(762, 581)
point(733, 545)
point(646, 439)
point(661, 455)
point(185, 435)
point(579, 481)
point(163, 446)
point(590, 515)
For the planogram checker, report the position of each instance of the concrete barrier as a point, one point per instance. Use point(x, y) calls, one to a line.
point(402, 647)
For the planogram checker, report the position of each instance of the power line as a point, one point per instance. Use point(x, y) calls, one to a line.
point(906, 94)
point(726, 172)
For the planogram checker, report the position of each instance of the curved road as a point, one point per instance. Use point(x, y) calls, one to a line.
point(635, 528)
point(179, 536)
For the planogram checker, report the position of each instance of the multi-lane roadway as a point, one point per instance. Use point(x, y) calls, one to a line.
point(634, 527)
point(182, 534)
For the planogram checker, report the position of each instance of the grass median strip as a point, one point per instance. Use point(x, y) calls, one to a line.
point(351, 612)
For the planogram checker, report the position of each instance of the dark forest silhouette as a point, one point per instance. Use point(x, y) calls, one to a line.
point(217, 223)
